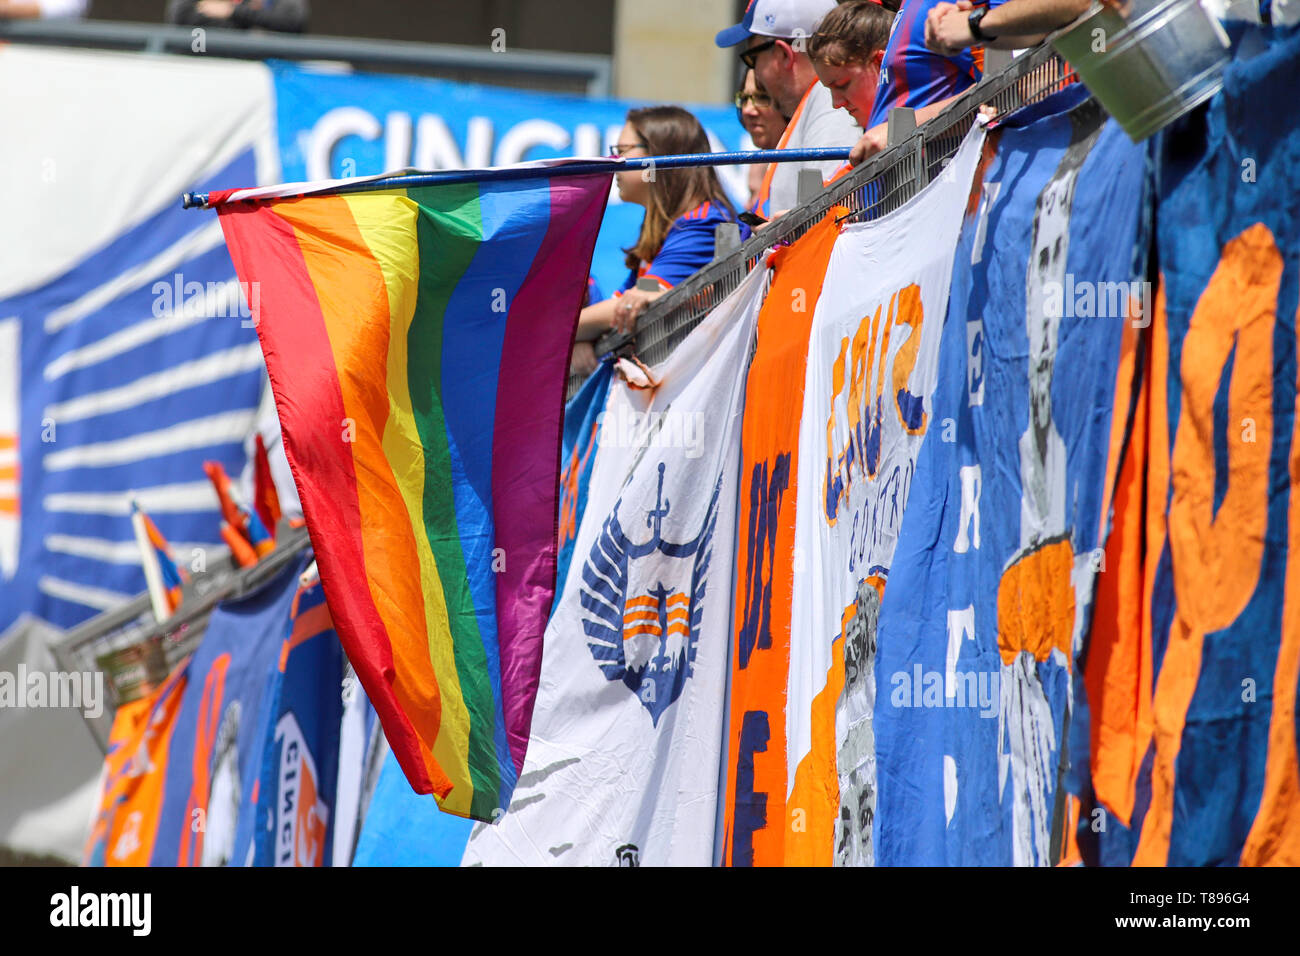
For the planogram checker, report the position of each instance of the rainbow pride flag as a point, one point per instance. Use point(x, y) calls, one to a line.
point(418, 342)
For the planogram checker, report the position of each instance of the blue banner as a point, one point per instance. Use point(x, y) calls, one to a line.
point(333, 125)
point(215, 758)
point(404, 828)
point(293, 821)
point(582, 419)
point(1000, 534)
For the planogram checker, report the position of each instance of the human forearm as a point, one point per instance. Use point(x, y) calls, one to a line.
point(1018, 21)
point(595, 320)
point(1011, 26)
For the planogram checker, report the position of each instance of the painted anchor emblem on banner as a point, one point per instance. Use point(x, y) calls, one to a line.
point(642, 602)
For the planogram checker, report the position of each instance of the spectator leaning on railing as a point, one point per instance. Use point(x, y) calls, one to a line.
point(916, 76)
point(765, 124)
point(284, 16)
point(683, 208)
point(846, 51)
point(775, 34)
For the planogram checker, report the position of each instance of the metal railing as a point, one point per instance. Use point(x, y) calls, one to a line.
point(80, 648)
point(588, 73)
point(877, 187)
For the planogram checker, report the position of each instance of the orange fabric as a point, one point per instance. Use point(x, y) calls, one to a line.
point(769, 432)
point(1036, 603)
point(240, 549)
point(765, 190)
point(1119, 661)
point(205, 738)
point(1274, 838)
point(1070, 855)
point(1216, 556)
point(815, 797)
point(134, 773)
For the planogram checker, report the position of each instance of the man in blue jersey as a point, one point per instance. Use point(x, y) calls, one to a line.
point(926, 78)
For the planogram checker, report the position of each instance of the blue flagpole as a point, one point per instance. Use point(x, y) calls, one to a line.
point(446, 176)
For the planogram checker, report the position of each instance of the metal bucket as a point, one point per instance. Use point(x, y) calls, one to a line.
point(1149, 66)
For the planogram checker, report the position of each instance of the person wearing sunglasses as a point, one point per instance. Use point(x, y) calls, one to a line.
point(765, 124)
point(773, 37)
point(683, 207)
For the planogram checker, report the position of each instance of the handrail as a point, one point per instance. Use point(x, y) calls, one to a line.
point(591, 71)
point(879, 186)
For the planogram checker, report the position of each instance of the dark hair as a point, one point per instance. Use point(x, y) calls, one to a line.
point(667, 131)
point(851, 33)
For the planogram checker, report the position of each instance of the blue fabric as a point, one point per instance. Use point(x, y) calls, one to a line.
point(300, 750)
point(946, 790)
point(220, 727)
point(403, 828)
point(688, 246)
point(582, 418)
point(911, 75)
point(1224, 170)
point(42, 388)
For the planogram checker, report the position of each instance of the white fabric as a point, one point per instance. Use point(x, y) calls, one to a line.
point(864, 335)
point(818, 126)
point(623, 773)
point(789, 18)
point(62, 9)
point(70, 187)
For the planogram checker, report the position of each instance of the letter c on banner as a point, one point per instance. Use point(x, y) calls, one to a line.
point(1217, 552)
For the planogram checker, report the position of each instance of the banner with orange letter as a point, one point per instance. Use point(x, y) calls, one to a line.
point(872, 360)
point(1194, 657)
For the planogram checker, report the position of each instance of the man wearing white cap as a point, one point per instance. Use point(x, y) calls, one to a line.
point(775, 35)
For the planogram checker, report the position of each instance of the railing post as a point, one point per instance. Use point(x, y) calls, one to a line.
point(726, 240)
point(902, 124)
point(809, 185)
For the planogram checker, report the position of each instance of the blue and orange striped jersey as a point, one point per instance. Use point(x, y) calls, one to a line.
point(912, 75)
point(688, 247)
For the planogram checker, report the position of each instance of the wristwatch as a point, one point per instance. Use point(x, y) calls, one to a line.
point(973, 21)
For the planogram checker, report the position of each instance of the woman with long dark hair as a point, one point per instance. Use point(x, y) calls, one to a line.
point(683, 207)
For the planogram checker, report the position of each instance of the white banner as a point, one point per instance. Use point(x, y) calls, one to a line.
point(623, 760)
point(872, 362)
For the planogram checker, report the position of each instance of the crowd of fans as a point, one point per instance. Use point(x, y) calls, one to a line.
point(816, 74)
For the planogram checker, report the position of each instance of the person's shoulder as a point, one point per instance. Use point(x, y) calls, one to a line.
point(704, 216)
point(824, 125)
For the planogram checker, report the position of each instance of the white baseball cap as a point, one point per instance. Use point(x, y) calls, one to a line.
point(785, 19)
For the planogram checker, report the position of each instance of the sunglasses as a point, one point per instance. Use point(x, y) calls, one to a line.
point(619, 150)
point(750, 57)
point(761, 101)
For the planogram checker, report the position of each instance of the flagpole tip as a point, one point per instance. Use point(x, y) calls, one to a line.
point(194, 200)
